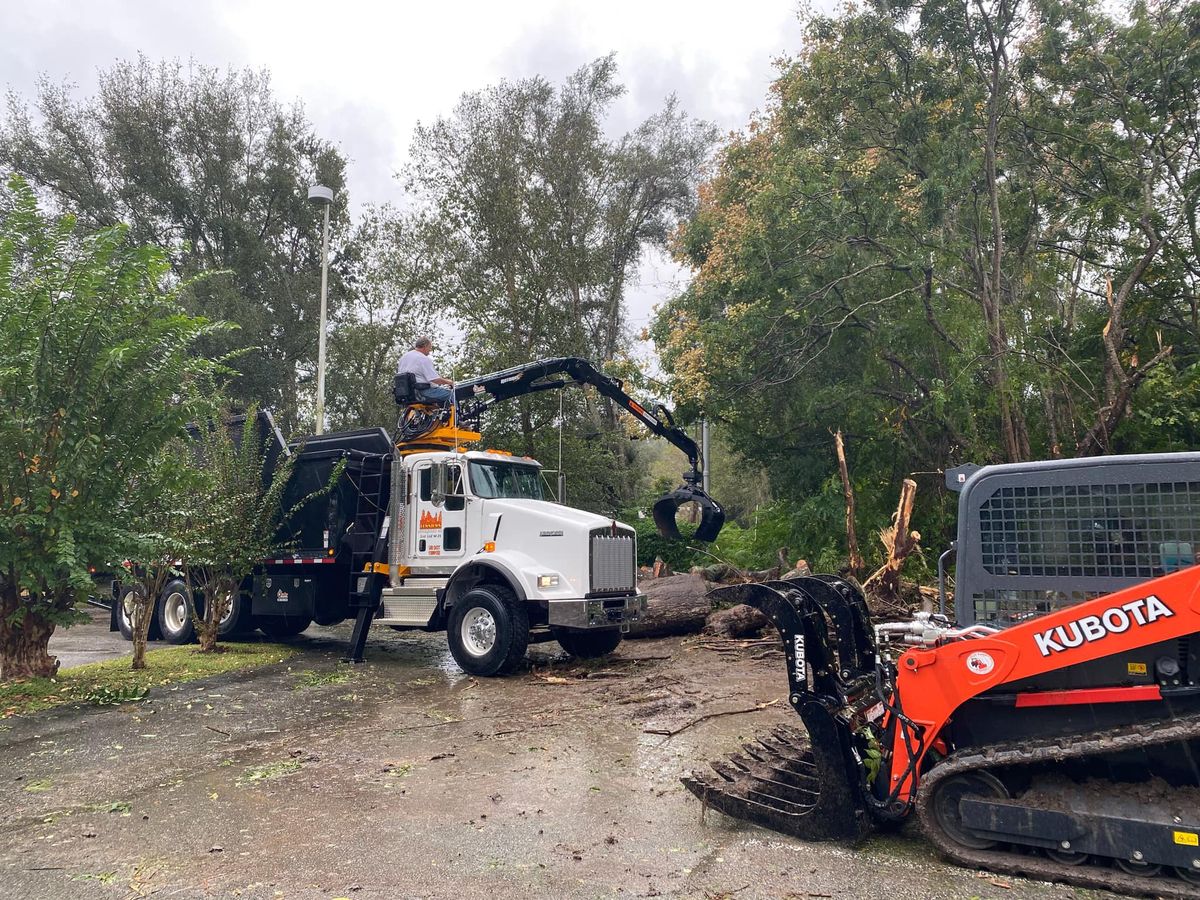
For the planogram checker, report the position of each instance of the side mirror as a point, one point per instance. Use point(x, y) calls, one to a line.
point(439, 483)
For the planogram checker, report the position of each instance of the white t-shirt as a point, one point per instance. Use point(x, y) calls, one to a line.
point(418, 364)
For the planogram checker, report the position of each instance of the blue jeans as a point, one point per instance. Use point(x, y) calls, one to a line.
point(435, 393)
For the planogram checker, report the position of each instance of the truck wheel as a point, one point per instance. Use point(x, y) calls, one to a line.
point(283, 626)
point(174, 616)
point(488, 631)
point(237, 618)
point(129, 596)
point(589, 644)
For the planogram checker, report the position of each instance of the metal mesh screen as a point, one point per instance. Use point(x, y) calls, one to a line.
point(1105, 530)
point(1012, 607)
point(1061, 544)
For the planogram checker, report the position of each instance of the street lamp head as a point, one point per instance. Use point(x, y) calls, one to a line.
point(320, 194)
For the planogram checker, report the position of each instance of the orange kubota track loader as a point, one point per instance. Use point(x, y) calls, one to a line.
point(1053, 731)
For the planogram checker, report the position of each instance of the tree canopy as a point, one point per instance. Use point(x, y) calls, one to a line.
point(536, 223)
point(211, 167)
point(960, 232)
point(94, 350)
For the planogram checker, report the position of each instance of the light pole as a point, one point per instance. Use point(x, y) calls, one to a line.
point(322, 195)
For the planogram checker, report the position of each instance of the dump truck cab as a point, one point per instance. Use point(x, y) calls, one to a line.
point(465, 523)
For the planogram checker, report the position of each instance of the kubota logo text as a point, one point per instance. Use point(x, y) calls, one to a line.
point(1113, 620)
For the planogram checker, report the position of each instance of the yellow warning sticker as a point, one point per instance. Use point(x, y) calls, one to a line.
point(1186, 837)
point(1136, 668)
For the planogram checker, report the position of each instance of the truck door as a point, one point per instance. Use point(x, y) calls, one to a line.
point(438, 529)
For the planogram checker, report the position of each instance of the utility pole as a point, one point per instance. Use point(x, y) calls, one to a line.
point(318, 193)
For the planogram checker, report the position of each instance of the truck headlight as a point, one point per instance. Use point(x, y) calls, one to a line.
point(547, 581)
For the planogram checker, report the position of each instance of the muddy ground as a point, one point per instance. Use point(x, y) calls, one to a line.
point(405, 778)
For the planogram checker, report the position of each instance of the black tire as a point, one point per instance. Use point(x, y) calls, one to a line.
point(174, 614)
point(283, 626)
point(589, 644)
point(124, 616)
point(237, 620)
point(488, 631)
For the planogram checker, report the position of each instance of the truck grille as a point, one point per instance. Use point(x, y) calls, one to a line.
point(613, 561)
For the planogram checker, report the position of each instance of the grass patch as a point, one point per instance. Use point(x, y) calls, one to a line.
point(112, 681)
point(309, 678)
point(270, 771)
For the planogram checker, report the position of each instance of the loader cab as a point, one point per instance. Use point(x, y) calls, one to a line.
point(1035, 537)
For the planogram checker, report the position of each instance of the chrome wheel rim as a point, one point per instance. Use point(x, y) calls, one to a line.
point(175, 612)
point(126, 602)
point(230, 600)
point(478, 632)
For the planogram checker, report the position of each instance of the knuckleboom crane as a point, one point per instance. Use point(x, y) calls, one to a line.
point(426, 427)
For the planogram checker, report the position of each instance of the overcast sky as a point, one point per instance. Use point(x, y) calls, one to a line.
point(367, 72)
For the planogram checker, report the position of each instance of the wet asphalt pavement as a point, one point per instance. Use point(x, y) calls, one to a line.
point(405, 778)
point(88, 642)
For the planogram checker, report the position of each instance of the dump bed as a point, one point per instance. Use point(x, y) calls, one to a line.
point(317, 525)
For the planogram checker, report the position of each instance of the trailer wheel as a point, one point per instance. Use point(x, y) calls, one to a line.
point(129, 595)
point(588, 644)
point(488, 631)
point(237, 618)
point(175, 615)
point(283, 626)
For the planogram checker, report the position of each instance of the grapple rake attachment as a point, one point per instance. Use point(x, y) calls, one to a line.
point(809, 785)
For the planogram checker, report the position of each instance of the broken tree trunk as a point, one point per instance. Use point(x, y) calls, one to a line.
point(722, 573)
point(677, 604)
point(736, 622)
point(899, 543)
point(856, 560)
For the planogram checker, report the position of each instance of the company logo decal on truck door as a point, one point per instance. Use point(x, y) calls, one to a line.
point(1114, 620)
point(430, 521)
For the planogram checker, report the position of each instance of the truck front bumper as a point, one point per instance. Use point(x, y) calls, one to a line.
point(596, 612)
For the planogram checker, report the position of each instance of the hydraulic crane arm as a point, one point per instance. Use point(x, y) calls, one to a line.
point(474, 396)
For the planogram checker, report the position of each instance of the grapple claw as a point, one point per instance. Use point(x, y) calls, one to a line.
point(712, 516)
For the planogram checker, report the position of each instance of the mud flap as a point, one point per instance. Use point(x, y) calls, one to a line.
point(796, 784)
point(712, 516)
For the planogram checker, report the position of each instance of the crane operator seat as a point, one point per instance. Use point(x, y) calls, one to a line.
point(407, 390)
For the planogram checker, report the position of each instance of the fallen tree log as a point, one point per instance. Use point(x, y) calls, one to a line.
point(736, 622)
point(677, 604)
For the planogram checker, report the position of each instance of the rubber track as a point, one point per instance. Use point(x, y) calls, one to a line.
point(1043, 868)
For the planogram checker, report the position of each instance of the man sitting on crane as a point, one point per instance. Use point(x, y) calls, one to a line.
point(430, 386)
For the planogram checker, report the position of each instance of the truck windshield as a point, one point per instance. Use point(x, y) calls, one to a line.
point(502, 479)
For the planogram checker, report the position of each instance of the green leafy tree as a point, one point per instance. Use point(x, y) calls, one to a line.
point(155, 516)
point(960, 232)
point(537, 222)
point(232, 507)
point(210, 166)
point(94, 351)
point(385, 269)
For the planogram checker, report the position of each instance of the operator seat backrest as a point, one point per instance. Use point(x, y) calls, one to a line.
point(405, 387)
